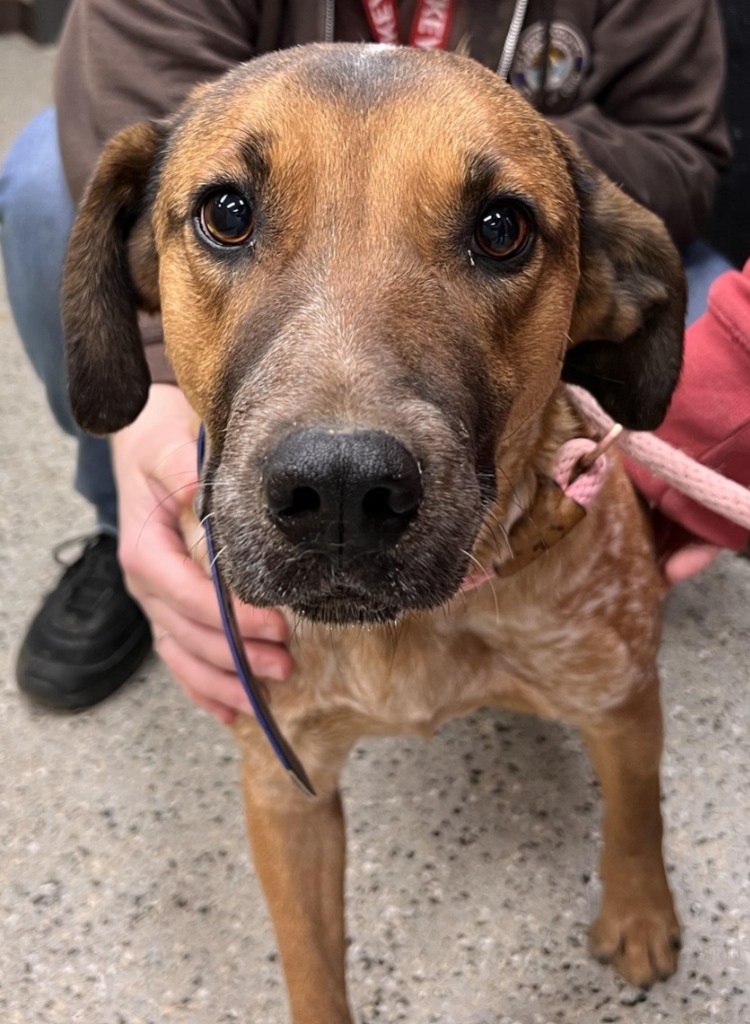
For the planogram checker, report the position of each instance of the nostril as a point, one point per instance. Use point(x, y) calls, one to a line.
point(376, 504)
point(386, 502)
point(289, 502)
point(304, 500)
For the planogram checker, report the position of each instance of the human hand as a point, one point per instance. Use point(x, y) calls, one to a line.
point(679, 553)
point(155, 468)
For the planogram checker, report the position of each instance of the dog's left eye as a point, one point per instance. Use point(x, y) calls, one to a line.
point(227, 218)
point(502, 230)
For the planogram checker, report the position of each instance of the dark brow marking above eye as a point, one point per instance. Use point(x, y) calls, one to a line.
point(482, 171)
point(251, 151)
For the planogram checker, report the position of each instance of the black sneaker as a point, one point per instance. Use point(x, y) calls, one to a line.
point(89, 635)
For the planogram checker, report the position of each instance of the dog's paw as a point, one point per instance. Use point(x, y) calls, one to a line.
point(641, 941)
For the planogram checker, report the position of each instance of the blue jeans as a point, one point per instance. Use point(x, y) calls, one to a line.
point(36, 214)
point(702, 266)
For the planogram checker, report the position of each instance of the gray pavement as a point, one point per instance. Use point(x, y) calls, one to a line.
point(126, 891)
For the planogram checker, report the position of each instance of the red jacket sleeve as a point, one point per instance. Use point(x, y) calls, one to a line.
point(709, 417)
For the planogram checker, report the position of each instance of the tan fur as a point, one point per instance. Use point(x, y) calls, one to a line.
point(356, 295)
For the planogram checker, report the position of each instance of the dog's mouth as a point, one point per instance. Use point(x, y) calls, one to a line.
point(383, 594)
point(345, 602)
point(347, 610)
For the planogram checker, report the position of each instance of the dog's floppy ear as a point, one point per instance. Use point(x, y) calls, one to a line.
point(629, 314)
point(111, 271)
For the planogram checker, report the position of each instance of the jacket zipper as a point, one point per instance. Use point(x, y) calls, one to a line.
point(511, 40)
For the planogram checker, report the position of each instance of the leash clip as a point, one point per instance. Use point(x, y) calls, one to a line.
point(587, 460)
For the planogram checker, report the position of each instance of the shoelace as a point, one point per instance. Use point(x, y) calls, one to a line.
point(84, 581)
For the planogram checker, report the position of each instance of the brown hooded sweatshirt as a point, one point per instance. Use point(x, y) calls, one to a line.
point(636, 84)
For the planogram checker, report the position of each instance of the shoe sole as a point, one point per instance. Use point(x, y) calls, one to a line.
point(98, 682)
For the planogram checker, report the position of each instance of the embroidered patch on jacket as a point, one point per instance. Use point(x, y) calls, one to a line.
point(567, 63)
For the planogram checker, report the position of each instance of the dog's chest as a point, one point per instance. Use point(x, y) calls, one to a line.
point(569, 636)
point(529, 656)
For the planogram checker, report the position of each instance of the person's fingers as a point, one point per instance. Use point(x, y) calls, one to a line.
point(161, 569)
point(269, 660)
point(261, 623)
point(155, 466)
point(215, 688)
point(175, 476)
point(689, 561)
point(221, 712)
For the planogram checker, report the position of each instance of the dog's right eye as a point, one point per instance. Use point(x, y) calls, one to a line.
point(226, 217)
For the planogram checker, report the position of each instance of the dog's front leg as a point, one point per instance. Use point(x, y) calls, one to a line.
point(298, 846)
point(637, 929)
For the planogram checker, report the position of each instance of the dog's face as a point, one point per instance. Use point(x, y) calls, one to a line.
point(373, 266)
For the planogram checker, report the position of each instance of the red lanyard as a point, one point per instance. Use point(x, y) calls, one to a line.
point(429, 30)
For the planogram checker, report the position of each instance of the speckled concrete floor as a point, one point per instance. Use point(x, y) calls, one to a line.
point(126, 890)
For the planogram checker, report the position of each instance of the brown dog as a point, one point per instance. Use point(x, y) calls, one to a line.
point(374, 266)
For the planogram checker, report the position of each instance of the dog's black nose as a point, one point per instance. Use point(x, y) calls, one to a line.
point(342, 494)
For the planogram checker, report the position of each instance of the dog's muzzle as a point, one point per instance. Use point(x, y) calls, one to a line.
point(343, 495)
point(344, 524)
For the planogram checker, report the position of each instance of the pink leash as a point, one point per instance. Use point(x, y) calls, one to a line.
point(708, 488)
point(580, 468)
